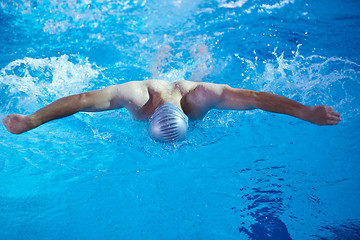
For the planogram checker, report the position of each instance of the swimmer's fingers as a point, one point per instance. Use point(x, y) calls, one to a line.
point(323, 115)
point(7, 121)
point(336, 114)
point(17, 123)
point(334, 117)
point(333, 122)
point(331, 111)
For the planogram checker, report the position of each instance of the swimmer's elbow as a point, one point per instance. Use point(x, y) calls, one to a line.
point(84, 101)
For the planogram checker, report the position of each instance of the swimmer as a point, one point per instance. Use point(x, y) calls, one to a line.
point(168, 106)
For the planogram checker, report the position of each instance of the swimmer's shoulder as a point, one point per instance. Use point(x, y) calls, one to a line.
point(149, 82)
point(202, 87)
point(129, 90)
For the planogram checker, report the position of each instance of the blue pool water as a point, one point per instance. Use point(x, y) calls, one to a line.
point(238, 175)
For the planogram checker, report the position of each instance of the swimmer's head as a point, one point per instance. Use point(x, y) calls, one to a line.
point(168, 124)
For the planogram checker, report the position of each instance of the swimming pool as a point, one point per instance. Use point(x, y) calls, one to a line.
point(238, 175)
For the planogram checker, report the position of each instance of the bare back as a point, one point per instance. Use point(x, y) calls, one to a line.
point(141, 98)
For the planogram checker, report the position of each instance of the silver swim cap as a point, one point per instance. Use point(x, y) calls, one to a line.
point(168, 124)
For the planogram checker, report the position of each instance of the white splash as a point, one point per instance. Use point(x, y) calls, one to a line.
point(232, 4)
point(277, 5)
point(45, 79)
point(312, 80)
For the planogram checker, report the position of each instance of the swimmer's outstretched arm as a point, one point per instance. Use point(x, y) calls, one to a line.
point(241, 99)
point(98, 100)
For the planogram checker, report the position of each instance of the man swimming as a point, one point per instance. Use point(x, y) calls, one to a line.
point(168, 105)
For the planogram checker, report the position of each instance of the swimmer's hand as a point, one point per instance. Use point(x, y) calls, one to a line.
point(18, 123)
point(322, 115)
